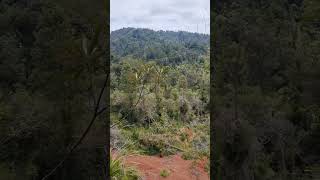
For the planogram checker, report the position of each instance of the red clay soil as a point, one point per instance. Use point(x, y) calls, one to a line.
point(150, 167)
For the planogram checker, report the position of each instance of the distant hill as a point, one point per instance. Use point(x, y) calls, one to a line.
point(162, 46)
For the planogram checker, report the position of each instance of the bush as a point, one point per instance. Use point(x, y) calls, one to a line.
point(120, 172)
point(164, 173)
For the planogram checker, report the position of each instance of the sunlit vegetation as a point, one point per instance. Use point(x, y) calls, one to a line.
point(160, 93)
point(118, 171)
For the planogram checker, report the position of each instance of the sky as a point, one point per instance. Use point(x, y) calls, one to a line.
point(174, 15)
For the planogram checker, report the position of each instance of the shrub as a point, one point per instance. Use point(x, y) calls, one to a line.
point(120, 172)
point(164, 173)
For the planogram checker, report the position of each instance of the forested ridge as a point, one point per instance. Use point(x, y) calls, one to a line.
point(165, 47)
point(265, 89)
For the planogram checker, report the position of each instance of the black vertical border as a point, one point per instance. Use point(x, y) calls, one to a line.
point(212, 9)
point(215, 6)
point(108, 59)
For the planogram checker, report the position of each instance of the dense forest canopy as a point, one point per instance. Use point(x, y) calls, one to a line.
point(165, 47)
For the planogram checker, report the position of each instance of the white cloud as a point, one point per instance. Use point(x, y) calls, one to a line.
point(186, 15)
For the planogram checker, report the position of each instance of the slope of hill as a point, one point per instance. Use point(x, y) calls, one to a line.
point(167, 47)
point(159, 100)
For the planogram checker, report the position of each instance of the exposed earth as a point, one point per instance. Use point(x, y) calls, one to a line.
point(176, 168)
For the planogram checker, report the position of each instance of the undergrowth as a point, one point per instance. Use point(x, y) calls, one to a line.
point(120, 172)
point(164, 138)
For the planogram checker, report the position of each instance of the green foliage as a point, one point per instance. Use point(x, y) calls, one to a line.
point(120, 172)
point(164, 173)
point(146, 92)
point(189, 154)
point(165, 47)
point(160, 108)
point(167, 138)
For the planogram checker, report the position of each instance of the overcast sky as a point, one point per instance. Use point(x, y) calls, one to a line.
point(175, 15)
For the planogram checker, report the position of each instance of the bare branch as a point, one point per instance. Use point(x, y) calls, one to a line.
point(95, 115)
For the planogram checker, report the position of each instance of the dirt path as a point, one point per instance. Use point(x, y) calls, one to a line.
point(150, 167)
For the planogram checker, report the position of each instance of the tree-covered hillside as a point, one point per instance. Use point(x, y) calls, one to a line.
point(160, 94)
point(167, 47)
